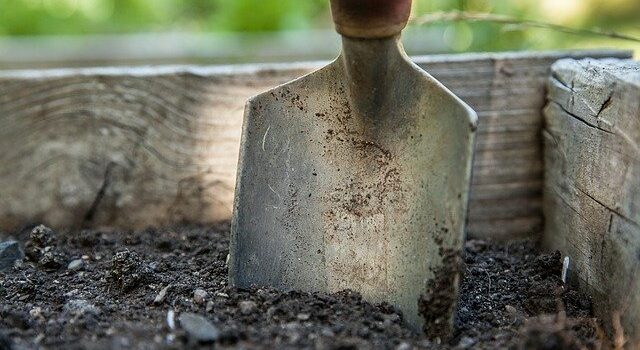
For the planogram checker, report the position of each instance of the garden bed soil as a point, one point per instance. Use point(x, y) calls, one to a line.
point(110, 289)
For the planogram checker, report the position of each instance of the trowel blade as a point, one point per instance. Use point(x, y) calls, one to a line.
point(345, 184)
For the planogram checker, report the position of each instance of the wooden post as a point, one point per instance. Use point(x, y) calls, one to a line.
point(592, 183)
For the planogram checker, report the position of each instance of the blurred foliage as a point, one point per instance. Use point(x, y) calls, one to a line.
point(611, 15)
point(34, 17)
point(54, 17)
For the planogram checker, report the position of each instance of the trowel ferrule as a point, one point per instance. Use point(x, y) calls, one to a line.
point(370, 19)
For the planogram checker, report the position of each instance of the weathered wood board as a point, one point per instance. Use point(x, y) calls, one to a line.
point(133, 147)
point(592, 182)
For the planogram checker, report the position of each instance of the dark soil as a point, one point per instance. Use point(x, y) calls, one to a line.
point(128, 285)
point(438, 301)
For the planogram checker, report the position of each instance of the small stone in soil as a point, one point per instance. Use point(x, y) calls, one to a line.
point(75, 265)
point(162, 295)
point(210, 306)
point(247, 307)
point(404, 346)
point(466, 343)
point(35, 312)
point(198, 327)
point(80, 307)
point(171, 319)
point(9, 252)
point(199, 296)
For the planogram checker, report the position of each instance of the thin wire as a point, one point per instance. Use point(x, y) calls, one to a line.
point(463, 16)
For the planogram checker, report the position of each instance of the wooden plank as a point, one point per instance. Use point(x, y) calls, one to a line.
point(513, 228)
point(132, 147)
point(592, 182)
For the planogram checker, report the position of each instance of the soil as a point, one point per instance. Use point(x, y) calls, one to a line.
point(133, 290)
point(438, 301)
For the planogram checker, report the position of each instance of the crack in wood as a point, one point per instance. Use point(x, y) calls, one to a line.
point(566, 202)
point(615, 211)
point(606, 104)
point(581, 119)
point(106, 182)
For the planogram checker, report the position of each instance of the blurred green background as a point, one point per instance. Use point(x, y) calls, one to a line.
point(28, 18)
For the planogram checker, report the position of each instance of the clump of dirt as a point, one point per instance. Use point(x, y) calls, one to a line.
point(128, 271)
point(41, 248)
point(437, 303)
point(556, 332)
point(167, 289)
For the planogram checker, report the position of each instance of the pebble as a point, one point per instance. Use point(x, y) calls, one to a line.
point(199, 296)
point(71, 292)
point(404, 346)
point(198, 327)
point(518, 316)
point(36, 312)
point(18, 264)
point(76, 265)
point(9, 252)
point(162, 295)
point(170, 338)
point(80, 306)
point(247, 307)
point(303, 317)
point(466, 343)
point(327, 332)
point(171, 319)
point(210, 306)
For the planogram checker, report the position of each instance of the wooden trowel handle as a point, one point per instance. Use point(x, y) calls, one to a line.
point(370, 19)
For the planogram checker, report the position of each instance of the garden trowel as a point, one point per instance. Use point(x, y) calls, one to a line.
point(356, 176)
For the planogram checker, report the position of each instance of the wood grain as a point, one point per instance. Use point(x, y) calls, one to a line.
point(133, 147)
point(592, 182)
